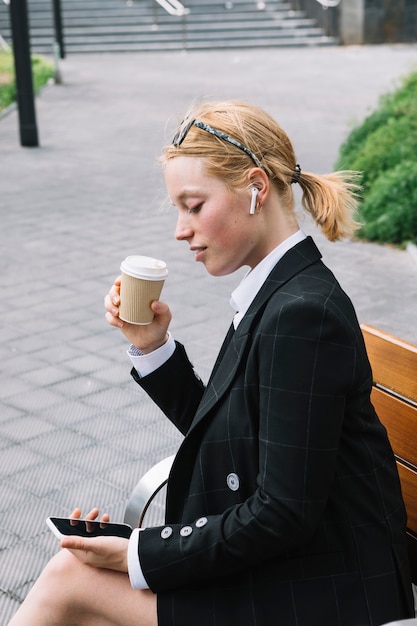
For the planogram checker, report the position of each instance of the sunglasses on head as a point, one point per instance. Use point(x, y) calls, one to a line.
point(183, 132)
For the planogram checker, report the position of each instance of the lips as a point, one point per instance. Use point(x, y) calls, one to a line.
point(198, 252)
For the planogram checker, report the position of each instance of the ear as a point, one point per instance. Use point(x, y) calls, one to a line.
point(256, 177)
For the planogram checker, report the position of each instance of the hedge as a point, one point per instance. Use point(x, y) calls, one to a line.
point(42, 71)
point(384, 149)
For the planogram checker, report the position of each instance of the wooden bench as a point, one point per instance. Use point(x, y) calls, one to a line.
point(394, 396)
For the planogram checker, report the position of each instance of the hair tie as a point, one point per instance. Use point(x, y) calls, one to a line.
point(296, 175)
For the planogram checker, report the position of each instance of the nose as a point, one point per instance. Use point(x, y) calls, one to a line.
point(183, 228)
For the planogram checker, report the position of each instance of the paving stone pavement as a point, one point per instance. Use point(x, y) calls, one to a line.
point(74, 428)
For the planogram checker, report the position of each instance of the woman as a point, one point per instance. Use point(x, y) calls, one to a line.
point(283, 504)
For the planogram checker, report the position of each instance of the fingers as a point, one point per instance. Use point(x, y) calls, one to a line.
point(102, 552)
point(113, 320)
point(74, 542)
point(162, 312)
point(111, 304)
point(113, 297)
point(92, 515)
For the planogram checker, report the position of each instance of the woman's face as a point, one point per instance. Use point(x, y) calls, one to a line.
point(214, 221)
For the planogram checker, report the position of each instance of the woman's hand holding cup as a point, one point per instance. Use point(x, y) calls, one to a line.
point(147, 337)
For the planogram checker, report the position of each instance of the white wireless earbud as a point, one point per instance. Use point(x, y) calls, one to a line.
point(254, 192)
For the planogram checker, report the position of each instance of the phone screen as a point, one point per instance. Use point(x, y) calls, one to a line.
point(87, 528)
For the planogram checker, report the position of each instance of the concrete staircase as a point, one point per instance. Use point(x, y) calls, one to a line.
point(142, 25)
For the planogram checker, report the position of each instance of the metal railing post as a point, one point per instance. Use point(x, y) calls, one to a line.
point(184, 30)
point(23, 70)
point(59, 35)
point(326, 5)
point(155, 15)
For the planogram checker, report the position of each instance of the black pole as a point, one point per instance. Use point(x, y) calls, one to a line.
point(59, 36)
point(23, 70)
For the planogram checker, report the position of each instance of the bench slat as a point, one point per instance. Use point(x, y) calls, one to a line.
point(394, 361)
point(400, 420)
point(408, 478)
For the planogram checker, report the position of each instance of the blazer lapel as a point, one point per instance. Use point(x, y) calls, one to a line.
point(292, 263)
point(234, 346)
point(223, 374)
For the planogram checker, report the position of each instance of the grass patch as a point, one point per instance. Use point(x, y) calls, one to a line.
point(42, 71)
point(384, 149)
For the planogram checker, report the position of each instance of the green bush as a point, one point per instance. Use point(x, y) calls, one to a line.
point(384, 149)
point(42, 71)
point(389, 210)
point(7, 88)
point(391, 106)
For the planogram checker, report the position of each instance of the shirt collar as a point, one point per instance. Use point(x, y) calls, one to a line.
point(244, 294)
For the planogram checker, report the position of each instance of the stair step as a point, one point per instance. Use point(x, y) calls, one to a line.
point(126, 30)
point(116, 26)
point(146, 5)
point(166, 36)
point(202, 45)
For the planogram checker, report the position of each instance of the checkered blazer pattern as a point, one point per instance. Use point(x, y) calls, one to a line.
point(283, 504)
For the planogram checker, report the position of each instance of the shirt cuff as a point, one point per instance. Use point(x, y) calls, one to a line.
point(136, 577)
point(145, 364)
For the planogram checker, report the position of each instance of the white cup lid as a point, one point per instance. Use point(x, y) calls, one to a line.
point(144, 267)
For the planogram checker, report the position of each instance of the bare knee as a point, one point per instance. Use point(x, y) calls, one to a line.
point(69, 593)
point(51, 601)
point(62, 566)
point(55, 592)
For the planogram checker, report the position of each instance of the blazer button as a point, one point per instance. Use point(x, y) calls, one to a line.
point(166, 532)
point(185, 531)
point(233, 481)
point(201, 522)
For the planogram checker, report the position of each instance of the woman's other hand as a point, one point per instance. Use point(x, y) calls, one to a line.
point(147, 337)
point(100, 552)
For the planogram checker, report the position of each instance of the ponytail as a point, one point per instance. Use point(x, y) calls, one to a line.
point(332, 200)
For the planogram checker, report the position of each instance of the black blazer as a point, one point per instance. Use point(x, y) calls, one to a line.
point(283, 504)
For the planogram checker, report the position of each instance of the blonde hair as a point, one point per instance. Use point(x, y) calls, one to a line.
point(331, 199)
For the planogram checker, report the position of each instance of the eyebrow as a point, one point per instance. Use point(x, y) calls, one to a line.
point(180, 200)
point(189, 192)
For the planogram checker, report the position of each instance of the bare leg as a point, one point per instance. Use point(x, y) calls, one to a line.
point(69, 593)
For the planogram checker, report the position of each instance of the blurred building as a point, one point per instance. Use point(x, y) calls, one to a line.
point(364, 21)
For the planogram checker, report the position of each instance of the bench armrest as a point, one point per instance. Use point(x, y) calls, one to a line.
point(146, 491)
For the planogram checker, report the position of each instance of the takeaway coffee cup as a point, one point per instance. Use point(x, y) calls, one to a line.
point(142, 282)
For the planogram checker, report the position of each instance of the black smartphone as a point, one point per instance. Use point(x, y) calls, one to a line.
point(64, 526)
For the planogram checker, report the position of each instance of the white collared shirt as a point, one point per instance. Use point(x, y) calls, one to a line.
point(244, 294)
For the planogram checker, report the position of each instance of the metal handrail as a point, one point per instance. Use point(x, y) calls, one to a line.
point(173, 7)
point(327, 4)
